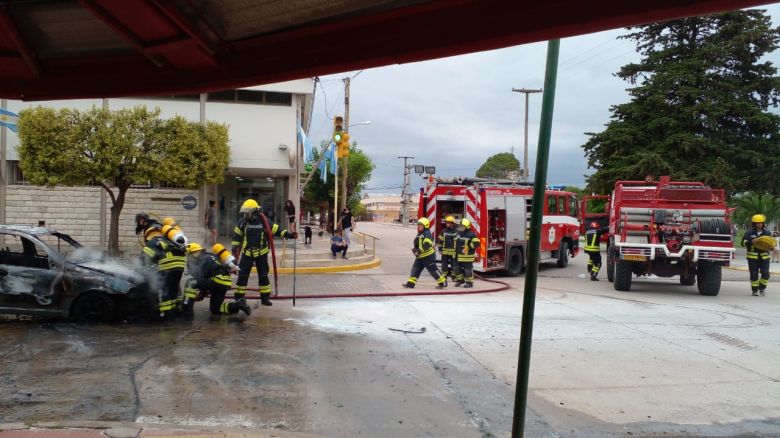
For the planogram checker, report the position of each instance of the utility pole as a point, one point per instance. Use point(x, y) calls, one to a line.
point(405, 192)
point(345, 166)
point(527, 91)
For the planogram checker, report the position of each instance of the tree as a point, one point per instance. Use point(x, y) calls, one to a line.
point(749, 204)
point(115, 149)
point(698, 108)
point(499, 166)
point(321, 194)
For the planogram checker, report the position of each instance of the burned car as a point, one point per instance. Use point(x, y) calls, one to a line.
point(47, 273)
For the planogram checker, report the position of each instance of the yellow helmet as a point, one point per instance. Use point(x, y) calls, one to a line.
point(758, 218)
point(450, 219)
point(193, 247)
point(424, 222)
point(170, 221)
point(465, 222)
point(250, 204)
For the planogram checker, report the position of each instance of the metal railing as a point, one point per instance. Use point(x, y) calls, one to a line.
point(362, 238)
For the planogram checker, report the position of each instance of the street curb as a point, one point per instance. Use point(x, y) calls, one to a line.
point(745, 269)
point(328, 269)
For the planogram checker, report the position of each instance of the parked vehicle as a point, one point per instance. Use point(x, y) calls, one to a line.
point(668, 228)
point(47, 273)
point(500, 214)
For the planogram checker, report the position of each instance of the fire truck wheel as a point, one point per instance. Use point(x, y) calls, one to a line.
point(515, 265)
point(708, 275)
point(610, 264)
point(622, 275)
point(563, 255)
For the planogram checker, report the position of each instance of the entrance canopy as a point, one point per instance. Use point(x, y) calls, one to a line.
point(57, 49)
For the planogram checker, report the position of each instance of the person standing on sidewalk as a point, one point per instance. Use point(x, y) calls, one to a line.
point(289, 210)
point(346, 224)
point(758, 260)
point(425, 256)
point(466, 244)
point(776, 251)
point(210, 222)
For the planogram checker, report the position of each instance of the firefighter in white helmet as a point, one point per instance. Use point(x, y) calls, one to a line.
point(466, 244)
point(425, 256)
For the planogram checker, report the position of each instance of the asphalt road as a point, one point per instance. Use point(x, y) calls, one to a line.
point(659, 360)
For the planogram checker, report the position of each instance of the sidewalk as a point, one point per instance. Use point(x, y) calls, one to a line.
point(97, 429)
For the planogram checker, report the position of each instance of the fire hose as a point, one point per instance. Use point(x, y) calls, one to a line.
point(503, 286)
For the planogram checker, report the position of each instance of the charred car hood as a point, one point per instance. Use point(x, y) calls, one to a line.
point(114, 270)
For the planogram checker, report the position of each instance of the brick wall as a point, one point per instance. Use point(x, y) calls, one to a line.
point(76, 211)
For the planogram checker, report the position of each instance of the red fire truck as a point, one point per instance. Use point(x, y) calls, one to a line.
point(500, 214)
point(668, 228)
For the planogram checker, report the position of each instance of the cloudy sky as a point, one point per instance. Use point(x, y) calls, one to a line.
point(454, 113)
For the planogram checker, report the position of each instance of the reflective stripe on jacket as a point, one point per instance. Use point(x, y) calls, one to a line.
point(424, 243)
point(466, 244)
point(755, 253)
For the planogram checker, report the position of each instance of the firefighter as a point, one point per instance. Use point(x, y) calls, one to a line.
point(593, 248)
point(758, 260)
point(144, 221)
point(251, 243)
point(466, 244)
point(169, 259)
point(425, 256)
point(210, 277)
point(447, 246)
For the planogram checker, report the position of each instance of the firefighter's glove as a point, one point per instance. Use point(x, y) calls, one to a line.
point(416, 252)
point(234, 271)
point(201, 295)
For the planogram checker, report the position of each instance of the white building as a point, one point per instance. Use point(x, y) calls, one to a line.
point(265, 162)
point(387, 208)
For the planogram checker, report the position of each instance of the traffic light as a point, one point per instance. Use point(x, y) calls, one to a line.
point(338, 129)
point(343, 145)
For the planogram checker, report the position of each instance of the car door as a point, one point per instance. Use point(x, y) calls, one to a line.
point(26, 277)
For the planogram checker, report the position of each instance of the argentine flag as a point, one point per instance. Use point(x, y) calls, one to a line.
point(308, 155)
point(8, 119)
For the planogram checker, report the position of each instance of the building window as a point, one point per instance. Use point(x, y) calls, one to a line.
point(278, 98)
point(252, 96)
point(15, 175)
point(223, 96)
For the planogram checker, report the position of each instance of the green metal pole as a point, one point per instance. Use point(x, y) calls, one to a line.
point(532, 268)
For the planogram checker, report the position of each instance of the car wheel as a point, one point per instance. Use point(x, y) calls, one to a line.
point(93, 307)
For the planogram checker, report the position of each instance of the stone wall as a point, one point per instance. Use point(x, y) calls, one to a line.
point(76, 211)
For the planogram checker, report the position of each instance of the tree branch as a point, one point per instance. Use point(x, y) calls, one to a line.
point(110, 192)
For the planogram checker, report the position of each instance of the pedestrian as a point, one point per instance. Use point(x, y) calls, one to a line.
point(289, 209)
point(346, 224)
point(209, 277)
point(250, 241)
point(425, 256)
point(593, 248)
point(776, 251)
point(337, 244)
point(210, 222)
point(758, 259)
point(466, 244)
point(446, 242)
point(169, 260)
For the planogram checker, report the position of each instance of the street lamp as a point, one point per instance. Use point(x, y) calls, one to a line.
point(367, 122)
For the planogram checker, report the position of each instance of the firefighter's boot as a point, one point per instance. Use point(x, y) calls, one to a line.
point(408, 285)
point(468, 285)
point(593, 277)
point(442, 285)
point(265, 299)
point(459, 283)
point(755, 293)
point(243, 306)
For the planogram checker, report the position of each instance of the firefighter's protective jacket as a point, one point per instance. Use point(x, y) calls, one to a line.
point(592, 238)
point(249, 236)
point(466, 244)
point(447, 241)
point(163, 254)
point(747, 239)
point(208, 268)
point(423, 244)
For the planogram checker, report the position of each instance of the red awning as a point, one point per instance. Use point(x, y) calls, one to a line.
point(56, 49)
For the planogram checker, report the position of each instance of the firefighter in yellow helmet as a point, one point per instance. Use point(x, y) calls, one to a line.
point(169, 259)
point(466, 244)
point(425, 256)
point(446, 240)
point(758, 259)
point(210, 276)
point(251, 243)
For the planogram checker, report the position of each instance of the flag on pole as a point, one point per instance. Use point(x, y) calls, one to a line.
point(333, 162)
point(8, 119)
point(308, 153)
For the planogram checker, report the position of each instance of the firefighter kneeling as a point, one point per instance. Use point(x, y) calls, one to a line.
point(210, 277)
point(425, 256)
point(593, 248)
point(251, 241)
point(466, 244)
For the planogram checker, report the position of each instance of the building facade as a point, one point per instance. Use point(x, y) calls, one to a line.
point(266, 159)
point(387, 208)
